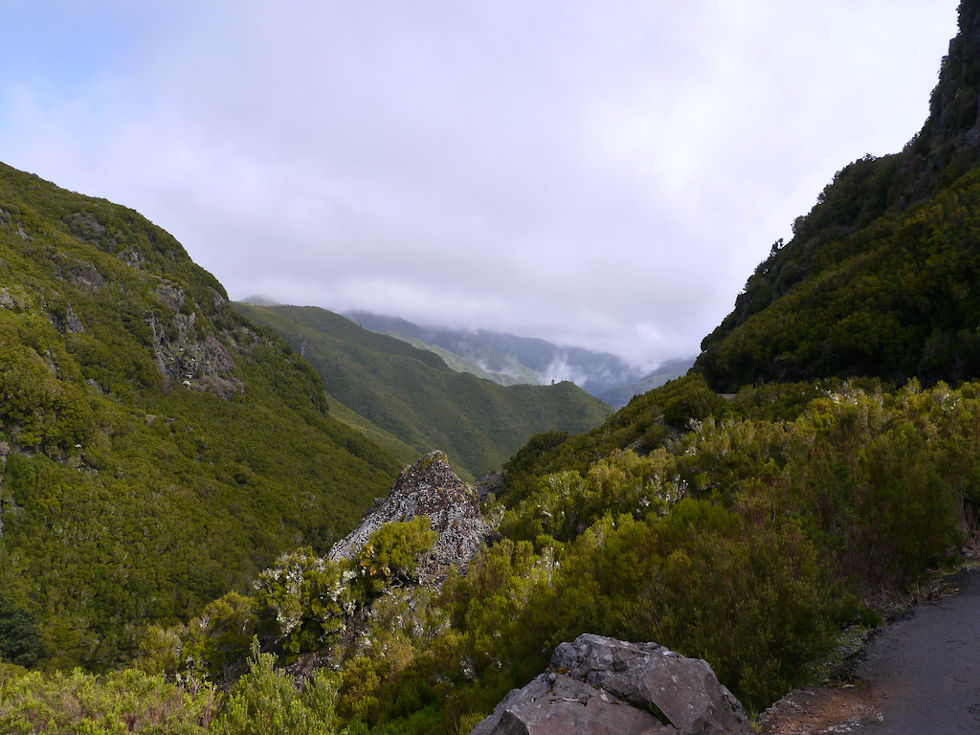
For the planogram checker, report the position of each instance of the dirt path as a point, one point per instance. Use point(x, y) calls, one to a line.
point(919, 675)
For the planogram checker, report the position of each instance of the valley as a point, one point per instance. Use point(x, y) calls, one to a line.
point(414, 397)
point(236, 518)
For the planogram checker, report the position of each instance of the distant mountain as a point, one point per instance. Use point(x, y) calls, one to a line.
point(881, 277)
point(507, 358)
point(474, 355)
point(156, 448)
point(666, 371)
point(413, 396)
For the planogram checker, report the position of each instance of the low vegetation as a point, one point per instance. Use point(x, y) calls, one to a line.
point(751, 540)
point(159, 452)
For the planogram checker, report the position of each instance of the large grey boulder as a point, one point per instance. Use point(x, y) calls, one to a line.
point(554, 704)
point(427, 488)
point(600, 685)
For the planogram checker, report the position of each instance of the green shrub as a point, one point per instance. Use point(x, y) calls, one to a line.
point(20, 639)
point(265, 701)
point(124, 701)
point(392, 553)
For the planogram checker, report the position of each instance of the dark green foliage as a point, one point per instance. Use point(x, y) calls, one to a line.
point(303, 601)
point(895, 299)
point(747, 541)
point(156, 448)
point(880, 278)
point(792, 502)
point(643, 424)
point(301, 604)
point(697, 580)
point(752, 600)
point(884, 481)
point(391, 554)
point(20, 640)
point(566, 503)
point(528, 461)
point(266, 702)
point(412, 394)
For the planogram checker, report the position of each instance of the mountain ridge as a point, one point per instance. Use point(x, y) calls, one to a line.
point(880, 276)
point(156, 448)
point(510, 359)
point(412, 394)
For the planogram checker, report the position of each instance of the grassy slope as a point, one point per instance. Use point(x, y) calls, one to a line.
point(412, 394)
point(132, 491)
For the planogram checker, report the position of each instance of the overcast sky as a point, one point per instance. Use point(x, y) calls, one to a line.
point(603, 173)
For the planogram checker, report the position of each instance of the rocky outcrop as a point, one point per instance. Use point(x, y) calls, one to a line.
point(427, 488)
point(600, 686)
point(184, 353)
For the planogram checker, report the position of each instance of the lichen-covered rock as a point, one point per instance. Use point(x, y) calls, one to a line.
point(427, 488)
point(642, 677)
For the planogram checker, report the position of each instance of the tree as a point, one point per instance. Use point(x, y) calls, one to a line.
point(20, 641)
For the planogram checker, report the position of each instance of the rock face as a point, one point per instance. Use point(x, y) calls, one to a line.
point(600, 685)
point(427, 488)
point(183, 354)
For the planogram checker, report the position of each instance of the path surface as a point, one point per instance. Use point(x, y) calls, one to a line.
point(920, 675)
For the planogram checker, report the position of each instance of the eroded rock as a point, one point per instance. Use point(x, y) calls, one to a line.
point(427, 488)
point(184, 354)
point(612, 678)
point(65, 320)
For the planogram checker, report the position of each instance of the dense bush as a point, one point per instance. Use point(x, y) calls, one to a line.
point(895, 297)
point(265, 701)
point(746, 541)
point(124, 701)
point(20, 639)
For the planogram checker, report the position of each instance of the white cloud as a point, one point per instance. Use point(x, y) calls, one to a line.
point(602, 174)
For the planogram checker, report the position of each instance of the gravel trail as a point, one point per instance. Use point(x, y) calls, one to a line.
point(920, 675)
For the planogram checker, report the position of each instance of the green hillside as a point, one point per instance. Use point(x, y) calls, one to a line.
point(882, 277)
point(413, 395)
point(463, 365)
point(796, 483)
point(156, 448)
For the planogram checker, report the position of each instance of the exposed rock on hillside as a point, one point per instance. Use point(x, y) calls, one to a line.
point(427, 488)
point(185, 353)
point(488, 485)
point(600, 686)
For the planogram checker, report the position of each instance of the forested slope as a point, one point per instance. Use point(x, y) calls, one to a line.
point(415, 396)
point(881, 277)
point(156, 448)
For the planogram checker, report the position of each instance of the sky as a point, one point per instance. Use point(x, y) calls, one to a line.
point(599, 174)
